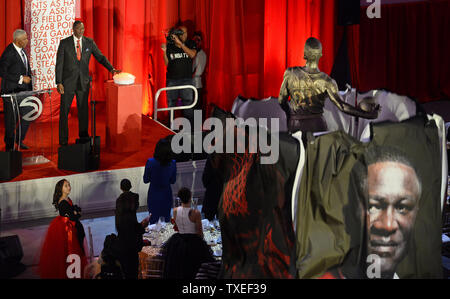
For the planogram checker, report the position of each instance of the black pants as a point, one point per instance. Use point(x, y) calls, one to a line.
point(11, 121)
point(307, 123)
point(83, 114)
point(130, 265)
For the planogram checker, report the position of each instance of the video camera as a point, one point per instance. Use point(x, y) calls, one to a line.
point(173, 31)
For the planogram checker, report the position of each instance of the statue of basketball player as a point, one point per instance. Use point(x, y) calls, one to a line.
point(308, 89)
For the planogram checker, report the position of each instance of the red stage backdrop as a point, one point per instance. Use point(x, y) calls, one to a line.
point(250, 43)
point(407, 50)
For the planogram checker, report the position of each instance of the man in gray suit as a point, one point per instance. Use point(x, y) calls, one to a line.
point(72, 78)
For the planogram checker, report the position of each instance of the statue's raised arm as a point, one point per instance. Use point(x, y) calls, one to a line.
point(308, 88)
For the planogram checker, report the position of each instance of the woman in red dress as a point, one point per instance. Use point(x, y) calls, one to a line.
point(63, 253)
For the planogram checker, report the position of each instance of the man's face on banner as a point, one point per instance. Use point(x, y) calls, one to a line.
point(394, 192)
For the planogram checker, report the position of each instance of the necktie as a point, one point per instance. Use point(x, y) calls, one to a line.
point(78, 50)
point(24, 59)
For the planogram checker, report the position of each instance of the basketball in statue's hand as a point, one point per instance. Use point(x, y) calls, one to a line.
point(367, 104)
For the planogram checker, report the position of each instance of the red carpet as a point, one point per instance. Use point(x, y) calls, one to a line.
point(39, 136)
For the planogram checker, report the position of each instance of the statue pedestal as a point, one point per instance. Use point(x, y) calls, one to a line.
point(123, 117)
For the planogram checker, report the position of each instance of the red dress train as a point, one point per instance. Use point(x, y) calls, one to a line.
point(60, 242)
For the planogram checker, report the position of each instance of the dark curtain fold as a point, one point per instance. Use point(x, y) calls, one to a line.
point(407, 50)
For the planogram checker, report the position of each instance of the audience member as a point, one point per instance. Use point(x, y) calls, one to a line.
point(110, 266)
point(213, 183)
point(65, 237)
point(161, 173)
point(129, 230)
point(198, 68)
point(186, 250)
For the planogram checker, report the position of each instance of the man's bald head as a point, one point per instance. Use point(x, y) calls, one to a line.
point(313, 49)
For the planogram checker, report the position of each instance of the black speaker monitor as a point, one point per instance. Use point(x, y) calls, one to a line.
point(10, 165)
point(11, 254)
point(80, 157)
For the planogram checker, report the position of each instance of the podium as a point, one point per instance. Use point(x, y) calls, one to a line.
point(123, 117)
point(41, 148)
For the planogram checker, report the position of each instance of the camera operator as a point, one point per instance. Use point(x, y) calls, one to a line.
point(178, 57)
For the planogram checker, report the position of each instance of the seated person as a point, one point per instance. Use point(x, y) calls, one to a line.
point(186, 250)
point(109, 260)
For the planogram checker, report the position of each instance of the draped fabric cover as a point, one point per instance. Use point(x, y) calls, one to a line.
point(322, 237)
point(254, 210)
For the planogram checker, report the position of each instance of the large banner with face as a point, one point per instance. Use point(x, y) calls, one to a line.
point(372, 210)
point(47, 22)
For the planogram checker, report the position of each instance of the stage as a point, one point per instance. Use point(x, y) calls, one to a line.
point(28, 197)
point(151, 132)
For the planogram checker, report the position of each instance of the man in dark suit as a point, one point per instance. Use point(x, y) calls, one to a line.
point(130, 231)
point(16, 77)
point(72, 78)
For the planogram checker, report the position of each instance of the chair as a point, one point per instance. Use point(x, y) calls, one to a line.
point(260, 109)
point(394, 107)
point(446, 223)
point(91, 246)
point(209, 270)
point(152, 267)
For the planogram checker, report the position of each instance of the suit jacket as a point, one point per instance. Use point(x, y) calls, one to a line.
point(11, 68)
point(69, 69)
point(130, 231)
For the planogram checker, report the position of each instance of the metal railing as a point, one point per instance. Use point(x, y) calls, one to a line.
point(173, 109)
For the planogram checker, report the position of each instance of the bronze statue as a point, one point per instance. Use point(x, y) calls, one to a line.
point(308, 89)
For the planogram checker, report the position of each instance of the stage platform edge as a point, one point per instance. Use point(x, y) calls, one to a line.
point(94, 192)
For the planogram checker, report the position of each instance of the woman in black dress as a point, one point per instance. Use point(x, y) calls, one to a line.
point(65, 237)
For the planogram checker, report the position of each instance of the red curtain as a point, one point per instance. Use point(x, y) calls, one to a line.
point(407, 50)
point(130, 34)
point(11, 14)
point(250, 43)
point(288, 24)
